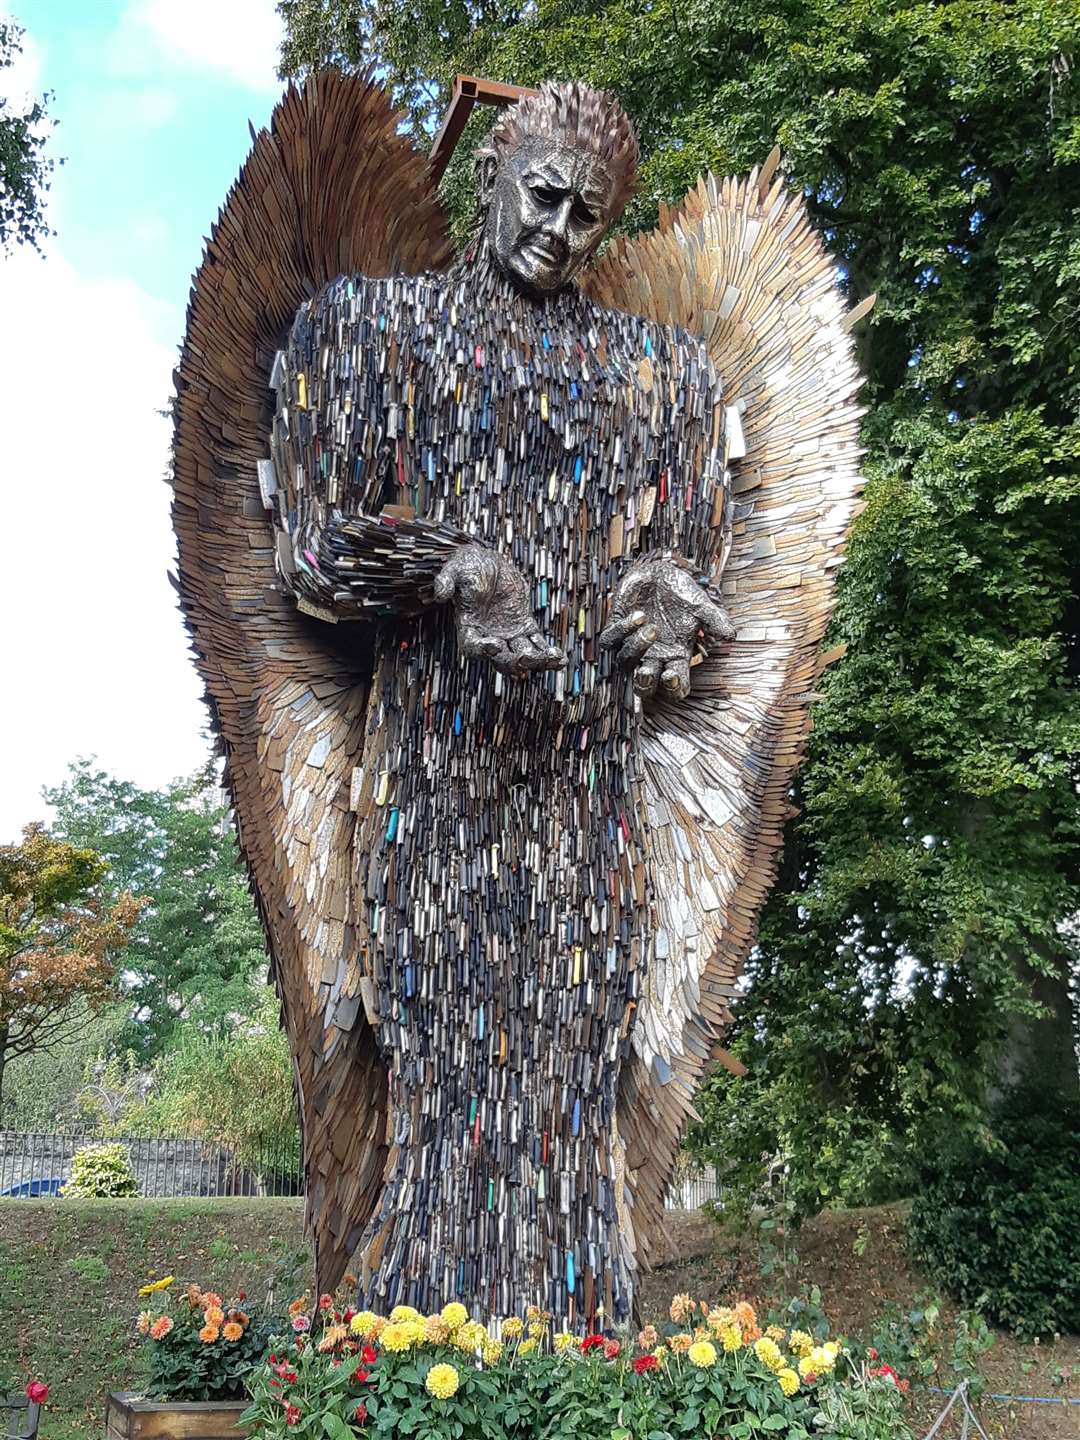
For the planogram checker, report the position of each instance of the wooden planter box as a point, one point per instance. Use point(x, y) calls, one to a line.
point(132, 1417)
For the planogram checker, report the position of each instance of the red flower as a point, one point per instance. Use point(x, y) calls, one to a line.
point(871, 1354)
point(289, 1376)
point(347, 1316)
point(360, 1374)
point(645, 1362)
point(326, 1302)
point(611, 1349)
point(292, 1414)
point(241, 1295)
point(591, 1342)
point(369, 1355)
point(272, 1360)
point(811, 1379)
point(276, 1384)
point(38, 1391)
point(361, 1413)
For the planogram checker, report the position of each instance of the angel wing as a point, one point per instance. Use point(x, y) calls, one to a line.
point(330, 188)
point(738, 264)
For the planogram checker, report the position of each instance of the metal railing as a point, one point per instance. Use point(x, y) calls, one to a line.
point(38, 1164)
point(35, 1164)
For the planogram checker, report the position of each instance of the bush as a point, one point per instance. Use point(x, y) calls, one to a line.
point(198, 1346)
point(1000, 1225)
point(101, 1172)
point(709, 1374)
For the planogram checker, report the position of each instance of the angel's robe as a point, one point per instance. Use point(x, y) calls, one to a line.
point(501, 866)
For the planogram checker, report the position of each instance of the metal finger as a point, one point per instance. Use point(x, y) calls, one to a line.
point(646, 676)
point(676, 679)
point(618, 629)
point(634, 648)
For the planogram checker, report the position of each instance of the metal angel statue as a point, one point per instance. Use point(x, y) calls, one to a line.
point(507, 575)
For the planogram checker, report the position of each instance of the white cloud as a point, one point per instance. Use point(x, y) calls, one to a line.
point(94, 652)
point(20, 82)
point(240, 37)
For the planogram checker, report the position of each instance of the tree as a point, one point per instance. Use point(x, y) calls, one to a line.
point(24, 169)
point(59, 939)
point(198, 942)
point(915, 957)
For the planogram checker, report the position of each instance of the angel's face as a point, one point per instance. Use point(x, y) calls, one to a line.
point(548, 208)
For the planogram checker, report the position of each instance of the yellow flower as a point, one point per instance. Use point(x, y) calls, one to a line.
point(396, 1337)
point(661, 1353)
point(233, 1331)
point(681, 1343)
point(807, 1366)
point(403, 1312)
point(470, 1336)
point(454, 1314)
point(822, 1358)
point(563, 1340)
point(768, 1352)
point(830, 1350)
point(363, 1323)
point(527, 1346)
point(442, 1381)
point(800, 1343)
point(512, 1328)
point(731, 1336)
point(155, 1285)
point(681, 1308)
point(538, 1329)
point(720, 1317)
point(533, 1312)
point(789, 1381)
point(492, 1351)
point(436, 1330)
point(208, 1334)
point(774, 1332)
point(702, 1354)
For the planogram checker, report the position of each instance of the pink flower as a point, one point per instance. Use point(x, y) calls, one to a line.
point(292, 1414)
point(300, 1323)
point(361, 1413)
point(38, 1391)
point(611, 1349)
point(326, 1302)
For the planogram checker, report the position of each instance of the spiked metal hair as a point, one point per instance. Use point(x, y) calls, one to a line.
point(579, 116)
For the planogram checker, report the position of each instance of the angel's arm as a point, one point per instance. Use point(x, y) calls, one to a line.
point(343, 550)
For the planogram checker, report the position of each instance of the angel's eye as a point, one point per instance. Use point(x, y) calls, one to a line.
point(546, 195)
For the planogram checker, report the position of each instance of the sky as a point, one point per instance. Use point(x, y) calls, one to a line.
point(153, 99)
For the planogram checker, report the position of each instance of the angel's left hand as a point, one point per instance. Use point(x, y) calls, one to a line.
point(658, 612)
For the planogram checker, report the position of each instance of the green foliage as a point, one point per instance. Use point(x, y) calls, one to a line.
point(199, 1347)
point(998, 1223)
point(915, 948)
point(345, 1376)
point(47, 1089)
point(24, 169)
point(198, 943)
point(234, 1089)
point(101, 1172)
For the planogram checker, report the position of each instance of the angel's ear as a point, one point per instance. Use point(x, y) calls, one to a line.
point(486, 168)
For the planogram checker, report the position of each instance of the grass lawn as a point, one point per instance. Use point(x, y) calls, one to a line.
point(70, 1269)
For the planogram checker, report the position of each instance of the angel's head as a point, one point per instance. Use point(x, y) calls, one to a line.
point(555, 173)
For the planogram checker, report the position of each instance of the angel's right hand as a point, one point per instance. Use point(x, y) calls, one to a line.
point(493, 612)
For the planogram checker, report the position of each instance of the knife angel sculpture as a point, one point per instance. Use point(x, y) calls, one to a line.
point(506, 577)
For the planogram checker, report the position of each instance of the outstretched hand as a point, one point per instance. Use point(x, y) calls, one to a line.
point(493, 611)
point(658, 612)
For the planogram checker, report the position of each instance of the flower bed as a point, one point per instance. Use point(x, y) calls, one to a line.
point(711, 1372)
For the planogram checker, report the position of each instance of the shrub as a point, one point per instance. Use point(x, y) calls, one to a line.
point(101, 1172)
point(198, 1346)
point(999, 1225)
point(709, 1374)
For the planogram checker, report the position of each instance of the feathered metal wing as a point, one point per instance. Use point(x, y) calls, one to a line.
point(330, 188)
point(738, 264)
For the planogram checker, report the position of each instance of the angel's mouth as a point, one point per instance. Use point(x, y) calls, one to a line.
point(547, 252)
